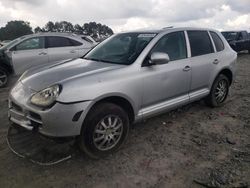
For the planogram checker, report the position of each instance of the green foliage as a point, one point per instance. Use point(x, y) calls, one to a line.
point(14, 29)
point(95, 30)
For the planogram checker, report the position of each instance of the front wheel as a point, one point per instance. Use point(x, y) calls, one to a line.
point(105, 129)
point(3, 77)
point(219, 91)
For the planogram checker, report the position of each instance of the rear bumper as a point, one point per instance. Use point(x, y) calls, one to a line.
point(58, 121)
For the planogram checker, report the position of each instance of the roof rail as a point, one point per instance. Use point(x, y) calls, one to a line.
point(169, 27)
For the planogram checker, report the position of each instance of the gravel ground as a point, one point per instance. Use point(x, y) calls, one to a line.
point(194, 146)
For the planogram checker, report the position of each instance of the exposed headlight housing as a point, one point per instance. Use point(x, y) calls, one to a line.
point(46, 97)
point(22, 76)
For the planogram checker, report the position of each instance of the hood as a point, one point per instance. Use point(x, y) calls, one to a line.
point(41, 78)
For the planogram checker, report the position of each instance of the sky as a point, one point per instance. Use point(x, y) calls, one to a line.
point(126, 15)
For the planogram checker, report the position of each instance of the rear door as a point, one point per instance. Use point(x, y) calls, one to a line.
point(203, 63)
point(61, 48)
point(29, 53)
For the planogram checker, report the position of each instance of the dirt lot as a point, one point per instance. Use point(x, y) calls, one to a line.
point(194, 146)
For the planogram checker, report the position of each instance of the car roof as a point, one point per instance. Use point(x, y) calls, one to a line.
point(167, 29)
point(234, 31)
point(52, 34)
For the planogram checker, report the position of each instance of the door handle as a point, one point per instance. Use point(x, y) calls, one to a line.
point(187, 68)
point(216, 61)
point(42, 53)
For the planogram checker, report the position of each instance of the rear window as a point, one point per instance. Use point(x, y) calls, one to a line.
point(217, 41)
point(200, 43)
point(56, 42)
point(87, 39)
point(75, 43)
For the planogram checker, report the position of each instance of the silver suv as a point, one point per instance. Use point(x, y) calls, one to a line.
point(125, 79)
point(40, 49)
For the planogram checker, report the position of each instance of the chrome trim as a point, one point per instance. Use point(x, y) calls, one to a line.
point(17, 112)
point(22, 124)
point(33, 119)
point(163, 105)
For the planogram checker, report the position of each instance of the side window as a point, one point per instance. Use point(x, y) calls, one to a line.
point(30, 44)
point(174, 44)
point(217, 41)
point(240, 37)
point(75, 43)
point(56, 42)
point(200, 43)
point(244, 35)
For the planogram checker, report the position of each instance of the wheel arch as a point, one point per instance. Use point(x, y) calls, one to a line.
point(8, 68)
point(121, 101)
point(228, 73)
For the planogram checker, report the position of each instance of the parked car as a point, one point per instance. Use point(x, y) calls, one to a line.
point(238, 40)
point(125, 79)
point(89, 39)
point(38, 50)
point(4, 42)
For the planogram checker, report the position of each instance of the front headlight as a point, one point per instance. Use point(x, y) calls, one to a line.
point(46, 97)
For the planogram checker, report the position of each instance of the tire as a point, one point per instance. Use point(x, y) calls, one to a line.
point(219, 91)
point(249, 51)
point(3, 77)
point(104, 130)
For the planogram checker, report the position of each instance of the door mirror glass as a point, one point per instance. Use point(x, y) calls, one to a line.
point(158, 58)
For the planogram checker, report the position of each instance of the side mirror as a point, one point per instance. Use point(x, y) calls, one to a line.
point(159, 58)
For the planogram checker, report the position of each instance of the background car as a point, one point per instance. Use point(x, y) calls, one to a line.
point(40, 49)
point(238, 40)
point(89, 39)
point(4, 42)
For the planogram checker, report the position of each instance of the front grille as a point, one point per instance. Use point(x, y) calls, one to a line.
point(23, 117)
point(16, 107)
point(35, 116)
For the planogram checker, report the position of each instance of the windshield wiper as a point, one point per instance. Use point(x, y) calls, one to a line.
point(100, 60)
point(92, 59)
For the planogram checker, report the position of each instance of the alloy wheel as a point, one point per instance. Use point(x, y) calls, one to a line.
point(221, 91)
point(108, 132)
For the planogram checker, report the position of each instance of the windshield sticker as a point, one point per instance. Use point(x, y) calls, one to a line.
point(150, 35)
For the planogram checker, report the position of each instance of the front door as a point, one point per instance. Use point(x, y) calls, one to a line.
point(29, 53)
point(167, 86)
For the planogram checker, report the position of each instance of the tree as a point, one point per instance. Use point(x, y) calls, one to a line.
point(78, 29)
point(97, 31)
point(15, 29)
point(38, 30)
point(49, 27)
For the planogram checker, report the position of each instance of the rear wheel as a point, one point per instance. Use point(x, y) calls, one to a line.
point(3, 77)
point(219, 91)
point(105, 129)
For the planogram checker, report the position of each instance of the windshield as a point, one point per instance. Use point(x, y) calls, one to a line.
point(122, 48)
point(11, 43)
point(230, 35)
